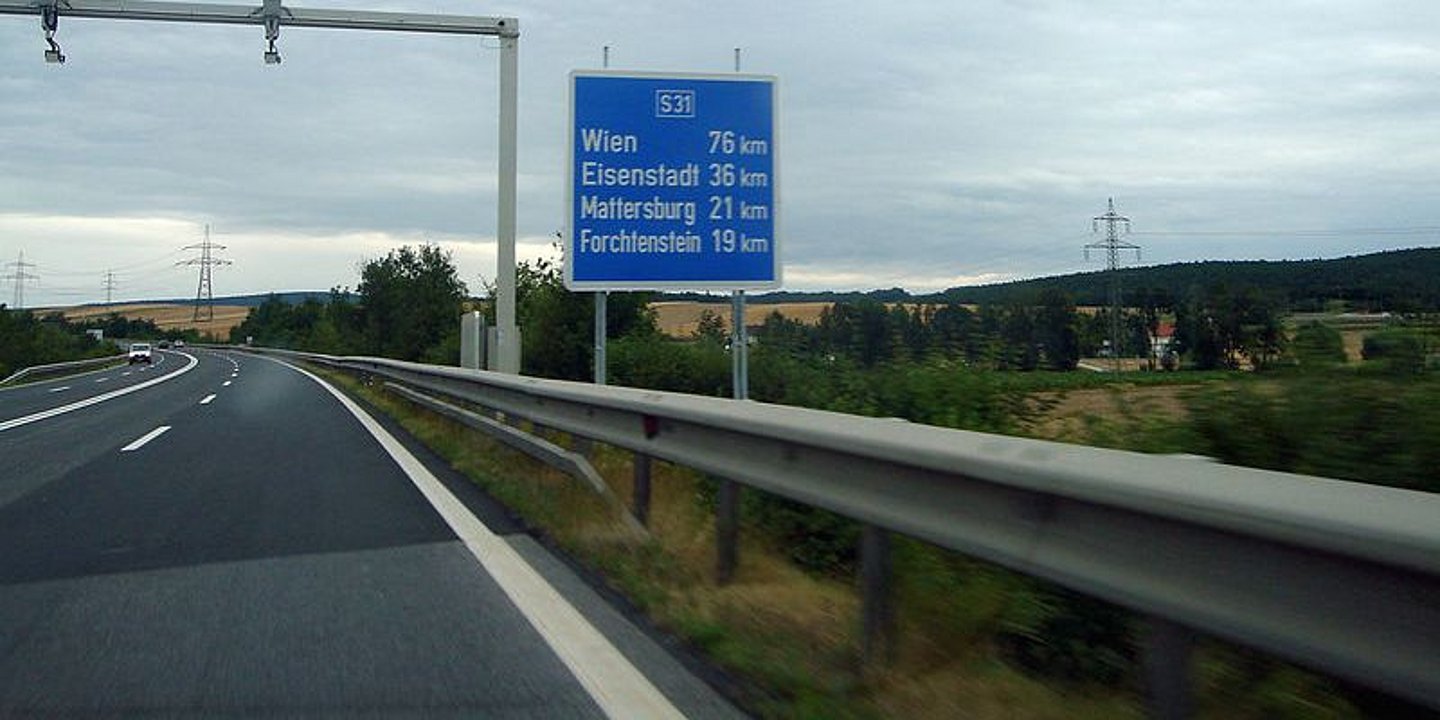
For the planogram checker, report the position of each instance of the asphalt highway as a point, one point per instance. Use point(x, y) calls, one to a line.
point(231, 540)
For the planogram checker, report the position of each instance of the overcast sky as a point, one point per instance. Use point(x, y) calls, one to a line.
point(921, 144)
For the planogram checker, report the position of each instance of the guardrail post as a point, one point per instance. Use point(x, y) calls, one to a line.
point(1167, 647)
point(640, 502)
point(877, 612)
point(727, 531)
point(583, 445)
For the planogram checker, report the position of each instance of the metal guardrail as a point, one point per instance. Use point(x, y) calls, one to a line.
point(1343, 577)
point(58, 368)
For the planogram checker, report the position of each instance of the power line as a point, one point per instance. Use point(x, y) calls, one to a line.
point(19, 275)
point(1330, 232)
point(1112, 245)
point(204, 294)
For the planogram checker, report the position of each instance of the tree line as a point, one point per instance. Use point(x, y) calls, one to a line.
point(27, 340)
point(406, 307)
point(407, 303)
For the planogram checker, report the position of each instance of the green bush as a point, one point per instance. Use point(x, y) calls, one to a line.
point(1318, 345)
point(653, 361)
point(1399, 351)
point(1342, 425)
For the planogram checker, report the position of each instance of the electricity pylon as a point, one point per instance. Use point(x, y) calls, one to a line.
point(204, 293)
point(1112, 245)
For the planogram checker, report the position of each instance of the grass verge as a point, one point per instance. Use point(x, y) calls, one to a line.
point(789, 636)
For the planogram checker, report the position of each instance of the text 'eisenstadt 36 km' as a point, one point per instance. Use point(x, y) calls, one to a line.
point(672, 182)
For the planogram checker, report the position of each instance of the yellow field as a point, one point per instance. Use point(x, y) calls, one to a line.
point(679, 319)
point(167, 317)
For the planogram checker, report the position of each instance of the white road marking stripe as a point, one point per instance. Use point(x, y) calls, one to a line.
point(617, 686)
point(100, 380)
point(62, 387)
point(147, 437)
point(87, 402)
point(225, 384)
point(207, 399)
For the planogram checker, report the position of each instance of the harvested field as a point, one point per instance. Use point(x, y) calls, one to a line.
point(1070, 416)
point(679, 319)
point(167, 317)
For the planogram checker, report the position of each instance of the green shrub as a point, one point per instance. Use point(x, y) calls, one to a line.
point(1399, 351)
point(1318, 345)
point(1342, 425)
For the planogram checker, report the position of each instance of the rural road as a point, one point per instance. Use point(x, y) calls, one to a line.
point(233, 541)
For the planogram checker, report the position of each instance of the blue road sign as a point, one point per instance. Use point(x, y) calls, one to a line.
point(672, 182)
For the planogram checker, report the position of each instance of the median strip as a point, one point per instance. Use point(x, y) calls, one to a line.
point(147, 437)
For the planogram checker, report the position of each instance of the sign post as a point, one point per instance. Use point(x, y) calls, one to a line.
point(672, 182)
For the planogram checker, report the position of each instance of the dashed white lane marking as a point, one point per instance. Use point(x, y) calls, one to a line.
point(87, 402)
point(100, 380)
point(620, 689)
point(125, 374)
point(59, 389)
point(147, 437)
point(207, 399)
point(225, 384)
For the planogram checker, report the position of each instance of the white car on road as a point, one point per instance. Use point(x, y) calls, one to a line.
point(140, 352)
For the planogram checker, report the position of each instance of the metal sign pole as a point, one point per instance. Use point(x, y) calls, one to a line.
point(600, 314)
point(602, 297)
point(740, 345)
point(507, 335)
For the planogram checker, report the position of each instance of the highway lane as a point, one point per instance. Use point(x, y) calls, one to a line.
point(39, 451)
point(262, 556)
point(26, 400)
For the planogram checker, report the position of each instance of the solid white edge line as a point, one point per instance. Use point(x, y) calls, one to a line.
point(147, 437)
point(620, 689)
point(206, 400)
point(87, 402)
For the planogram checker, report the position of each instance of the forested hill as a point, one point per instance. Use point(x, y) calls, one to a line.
point(1397, 281)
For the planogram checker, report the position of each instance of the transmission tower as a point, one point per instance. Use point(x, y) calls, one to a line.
point(20, 276)
point(1112, 245)
point(204, 296)
point(109, 287)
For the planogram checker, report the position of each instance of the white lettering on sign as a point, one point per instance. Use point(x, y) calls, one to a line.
point(602, 140)
point(674, 103)
point(662, 175)
point(632, 242)
point(656, 208)
point(728, 142)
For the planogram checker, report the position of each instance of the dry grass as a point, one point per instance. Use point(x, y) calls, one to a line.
point(680, 319)
point(1071, 415)
point(166, 317)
